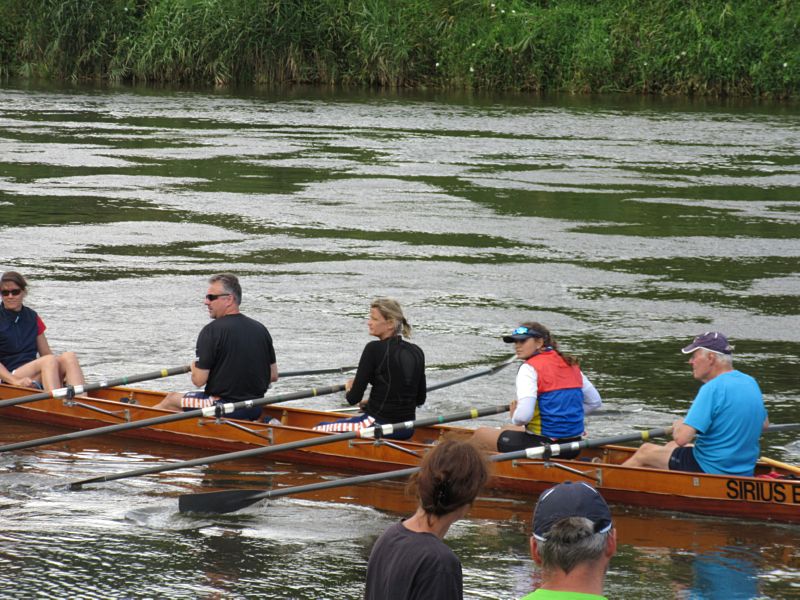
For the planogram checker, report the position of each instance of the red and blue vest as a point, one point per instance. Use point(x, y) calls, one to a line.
point(559, 397)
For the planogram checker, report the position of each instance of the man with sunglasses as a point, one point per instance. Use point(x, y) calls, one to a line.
point(235, 356)
point(725, 419)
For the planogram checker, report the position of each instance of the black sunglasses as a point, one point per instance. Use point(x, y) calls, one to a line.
point(212, 297)
point(14, 292)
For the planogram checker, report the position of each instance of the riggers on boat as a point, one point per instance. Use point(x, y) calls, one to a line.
point(772, 494)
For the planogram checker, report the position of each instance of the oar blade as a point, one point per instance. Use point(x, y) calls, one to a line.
point(219, 502)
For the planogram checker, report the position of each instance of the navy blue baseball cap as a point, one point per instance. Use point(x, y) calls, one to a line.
point(710, 340)
point(570, 499)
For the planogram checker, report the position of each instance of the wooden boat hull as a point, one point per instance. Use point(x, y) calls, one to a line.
point(757, 497)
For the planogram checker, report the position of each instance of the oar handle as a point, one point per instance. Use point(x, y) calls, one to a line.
point(76, 390)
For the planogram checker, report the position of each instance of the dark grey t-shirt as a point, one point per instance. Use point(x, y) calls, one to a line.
point(406, 565)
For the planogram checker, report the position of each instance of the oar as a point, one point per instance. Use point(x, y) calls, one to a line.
point(233, 500)
point(781, 465)
point(375, 431)
point(70, 391)
point(209, 411)
point(436, 386)
point(212, 411)
point(479, 373)
point(315, 372)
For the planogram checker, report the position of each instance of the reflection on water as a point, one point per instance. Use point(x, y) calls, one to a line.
point(626, 225)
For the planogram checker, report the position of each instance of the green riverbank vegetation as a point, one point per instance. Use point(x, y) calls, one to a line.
point(692, 47)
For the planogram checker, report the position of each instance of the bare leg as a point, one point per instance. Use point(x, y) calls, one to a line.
point(486, 438)
point(44, 368)
point(70, 369)
point(652, 455)
point(171, 401)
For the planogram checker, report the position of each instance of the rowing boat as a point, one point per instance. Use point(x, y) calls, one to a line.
point(770, 495)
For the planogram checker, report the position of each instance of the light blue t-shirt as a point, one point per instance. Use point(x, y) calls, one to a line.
point(728, 413)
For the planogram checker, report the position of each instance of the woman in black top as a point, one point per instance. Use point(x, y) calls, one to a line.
point(393, 367)
point(410, 561)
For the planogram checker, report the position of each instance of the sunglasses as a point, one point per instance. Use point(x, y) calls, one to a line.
point(14, 292)
point(212, 297)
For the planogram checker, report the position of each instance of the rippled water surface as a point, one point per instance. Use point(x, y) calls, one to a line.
point(626, 226)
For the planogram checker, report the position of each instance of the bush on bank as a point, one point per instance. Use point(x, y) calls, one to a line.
point(706, 47)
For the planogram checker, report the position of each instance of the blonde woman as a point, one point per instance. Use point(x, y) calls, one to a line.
point(392, 367)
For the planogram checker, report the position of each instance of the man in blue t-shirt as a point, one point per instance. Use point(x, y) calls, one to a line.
point(725, 419)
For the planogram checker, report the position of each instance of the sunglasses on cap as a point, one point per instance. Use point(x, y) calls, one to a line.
point(522, 330)
point(14, 292)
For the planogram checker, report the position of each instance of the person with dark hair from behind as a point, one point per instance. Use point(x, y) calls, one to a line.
point(25, 355)
point(235, 356)
point(395, 370)
point(573, 541)
point(410, 561)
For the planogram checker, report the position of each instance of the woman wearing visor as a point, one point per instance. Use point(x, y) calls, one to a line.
point(553, 395)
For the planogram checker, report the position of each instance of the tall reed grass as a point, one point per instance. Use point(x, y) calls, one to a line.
point(706, 47)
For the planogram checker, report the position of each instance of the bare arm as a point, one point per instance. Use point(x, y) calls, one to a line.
point(682, 433)
point(199, 376)
point(273, 372)
point(8, 377)
point(766, 423)
point(42, 346)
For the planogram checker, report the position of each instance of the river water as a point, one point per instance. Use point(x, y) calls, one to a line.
point(625, 225)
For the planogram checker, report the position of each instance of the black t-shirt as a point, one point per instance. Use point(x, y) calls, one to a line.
point(395, 369)
point(238, 352)
point(408, 565)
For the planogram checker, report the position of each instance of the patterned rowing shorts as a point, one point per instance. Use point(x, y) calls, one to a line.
point(198, 400)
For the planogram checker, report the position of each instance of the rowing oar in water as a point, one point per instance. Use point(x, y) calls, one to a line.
point(315, 372)
point(217, 410)
point(233, 500)
point(70, 391)
point(376, 431)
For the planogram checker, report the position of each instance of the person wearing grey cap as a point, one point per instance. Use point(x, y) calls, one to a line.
point(725, 420)
point(573, 541)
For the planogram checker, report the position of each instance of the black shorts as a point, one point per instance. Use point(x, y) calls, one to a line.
point(511, 440)
point(682, 459)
